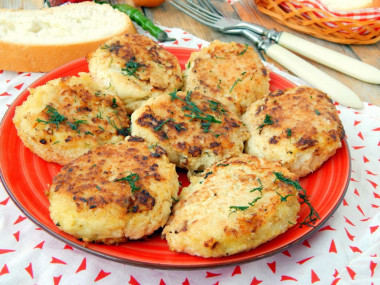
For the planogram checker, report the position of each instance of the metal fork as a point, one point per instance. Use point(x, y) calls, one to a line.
point(303, 69)
point(207, 14)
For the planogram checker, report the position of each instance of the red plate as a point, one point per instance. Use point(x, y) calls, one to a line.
point(26, 177)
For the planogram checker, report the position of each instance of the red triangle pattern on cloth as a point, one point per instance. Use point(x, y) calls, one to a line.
point(287, 253)
point(237, 270)
point(68, 247)
point(82, 266)
point(5, 94)
point(304, 260)
point(350, 236)
point(332, 247)
point(102, 274)
point(19, 220)
point(351, 273)
point(55, 260)
point(186, 282)
point(4, 202)
point(314, 277)
point(355, 249)
point(4, 270)
point(373, 229)
point(210, 274)
point(372, 267)
point(255, 281)
point(17, 236)
point(287, 278)
point(18, 87)
point(29, 269)
point(162, 282)
point(272, 266)
point(57, 279)
point(133, 281)
point(306, 243)
point(2, 251)
point(40, 245)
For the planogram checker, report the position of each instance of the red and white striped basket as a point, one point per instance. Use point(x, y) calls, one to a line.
point(312, 17)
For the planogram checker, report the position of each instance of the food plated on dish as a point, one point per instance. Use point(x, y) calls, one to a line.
point(184, 114)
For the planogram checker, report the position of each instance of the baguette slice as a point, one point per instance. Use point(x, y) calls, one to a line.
point(42, 40)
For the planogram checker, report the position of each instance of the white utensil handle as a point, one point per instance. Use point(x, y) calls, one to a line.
point(314, 76)
point(331, 58)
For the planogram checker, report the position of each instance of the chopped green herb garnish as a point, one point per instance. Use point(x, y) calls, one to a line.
point(131, 68)
point(313, 215)
point(131, 179)
point(196, 113)
point(120, 131)
point(75, 125)
point(246, 47)
point(236, 82)
point(234, 209)
point(267, 121)
point(97, 187)
point(114, 104)
point(159, 127)
point(260, 188)
point(317, 112)
point(175, 200)
point(88, 133)
point(288, 133)
point(283, 198)
point(53, 117)
point(223, 164)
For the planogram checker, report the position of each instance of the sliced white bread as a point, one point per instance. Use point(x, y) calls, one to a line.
point(42, 40)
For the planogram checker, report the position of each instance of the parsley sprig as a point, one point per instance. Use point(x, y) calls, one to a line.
point(132, 179)
point(312, 217)
point(53, 117)
point(195, 112)
point(131, 68)
point(267, 121)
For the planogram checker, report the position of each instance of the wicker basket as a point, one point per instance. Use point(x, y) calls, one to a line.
point(320, 23)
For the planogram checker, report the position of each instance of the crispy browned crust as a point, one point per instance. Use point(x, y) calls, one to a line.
point(168, 122)
point(94, 184)
point(136, 68)
point(232, 207)
point(229, 72)
point(92, 118)
point(305, 128)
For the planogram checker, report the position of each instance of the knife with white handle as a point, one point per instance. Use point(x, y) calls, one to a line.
point(306, 71)
point(330, 58)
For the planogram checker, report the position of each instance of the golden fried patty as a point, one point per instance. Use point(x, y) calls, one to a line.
point(229, 72)
point(135, 68)
point(67, 117)
point(114, 193)
point(299, 127)
point(235, 206)
point(195, 130)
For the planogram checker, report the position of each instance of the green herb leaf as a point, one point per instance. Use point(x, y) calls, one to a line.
point(131, 68)
point(132, 178)
point(312, 217)
point(53, 117)
point(267, 121)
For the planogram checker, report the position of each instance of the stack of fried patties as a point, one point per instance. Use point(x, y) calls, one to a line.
point(122, 129)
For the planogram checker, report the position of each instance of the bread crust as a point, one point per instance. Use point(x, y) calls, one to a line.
point(23, 57)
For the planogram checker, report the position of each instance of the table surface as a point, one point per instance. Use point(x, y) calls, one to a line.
point(168, 16)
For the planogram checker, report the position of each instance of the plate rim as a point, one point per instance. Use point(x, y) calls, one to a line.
point(147, 264)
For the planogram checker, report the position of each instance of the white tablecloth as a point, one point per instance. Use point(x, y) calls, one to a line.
point(346, 250)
